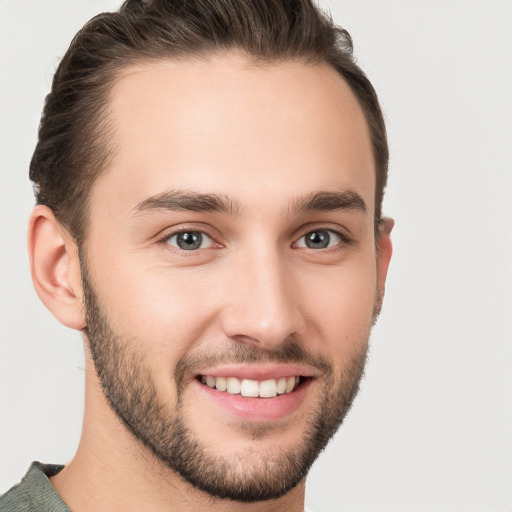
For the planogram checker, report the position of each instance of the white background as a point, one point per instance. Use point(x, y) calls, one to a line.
point(432, 427)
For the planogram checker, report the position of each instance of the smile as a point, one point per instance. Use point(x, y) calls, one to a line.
point(255, 393)
point(268, 388)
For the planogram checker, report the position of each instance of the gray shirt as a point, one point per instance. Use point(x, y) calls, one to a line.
point(34, 492)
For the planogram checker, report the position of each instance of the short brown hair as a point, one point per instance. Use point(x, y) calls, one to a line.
point(73, 147)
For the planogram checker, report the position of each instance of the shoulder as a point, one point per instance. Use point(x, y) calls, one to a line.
point(34, 492)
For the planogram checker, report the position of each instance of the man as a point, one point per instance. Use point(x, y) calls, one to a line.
point(209, 179)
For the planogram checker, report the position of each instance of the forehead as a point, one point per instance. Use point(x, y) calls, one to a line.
point(227, 125)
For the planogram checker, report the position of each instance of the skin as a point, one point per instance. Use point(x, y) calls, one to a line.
point(266, 136)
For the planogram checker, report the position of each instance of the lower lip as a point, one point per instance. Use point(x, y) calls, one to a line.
point(256, 409)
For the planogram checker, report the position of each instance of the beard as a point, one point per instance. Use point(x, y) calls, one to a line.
point(127, 383)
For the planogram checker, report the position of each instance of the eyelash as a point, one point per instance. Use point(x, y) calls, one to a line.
point(344, 240)
point(167, 239)
point(164, 240)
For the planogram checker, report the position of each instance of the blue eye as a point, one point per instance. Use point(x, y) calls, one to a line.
point(320, 239)
point(190, 240)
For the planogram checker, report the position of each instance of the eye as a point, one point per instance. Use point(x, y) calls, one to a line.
point(190, 240)
point(320, 239)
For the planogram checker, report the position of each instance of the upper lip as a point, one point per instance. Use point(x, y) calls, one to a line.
point(258, 372)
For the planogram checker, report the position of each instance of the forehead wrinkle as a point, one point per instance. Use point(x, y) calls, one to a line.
point(328, 201)
point(184, 200)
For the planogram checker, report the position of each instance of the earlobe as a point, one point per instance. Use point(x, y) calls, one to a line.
point(55, 267)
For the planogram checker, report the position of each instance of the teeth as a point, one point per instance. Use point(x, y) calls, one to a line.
point(249, 388)
point(290, 384)
point(281, 386)
point(221, 383)
point(252, 388)
point(268, 388)
point(233, 386)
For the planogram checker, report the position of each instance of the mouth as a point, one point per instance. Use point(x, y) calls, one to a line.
point(250, 388)
point(255, 393)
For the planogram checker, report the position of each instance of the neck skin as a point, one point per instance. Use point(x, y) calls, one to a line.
point(112, 471)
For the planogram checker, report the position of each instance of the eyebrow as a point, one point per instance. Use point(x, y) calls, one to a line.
point(330, 201)
point(191, 202)
point(219, 203)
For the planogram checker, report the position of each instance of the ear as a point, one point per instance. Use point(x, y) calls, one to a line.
point(55, 267)
point(384, 252)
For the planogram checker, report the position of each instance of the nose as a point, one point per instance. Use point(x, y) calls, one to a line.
point(263, 307)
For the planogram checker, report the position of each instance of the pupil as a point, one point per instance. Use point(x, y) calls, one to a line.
point(189, 240)
point(318, 240)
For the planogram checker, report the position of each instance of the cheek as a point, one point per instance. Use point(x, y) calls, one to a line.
point(157, 312)
point(164, 308)
point(341, 305)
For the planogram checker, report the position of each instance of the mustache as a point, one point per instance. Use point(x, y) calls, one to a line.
point(290, 351)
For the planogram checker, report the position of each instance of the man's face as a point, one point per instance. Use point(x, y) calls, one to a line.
point(230, 267)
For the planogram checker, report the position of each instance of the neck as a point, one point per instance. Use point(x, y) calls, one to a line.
point(112, 471)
